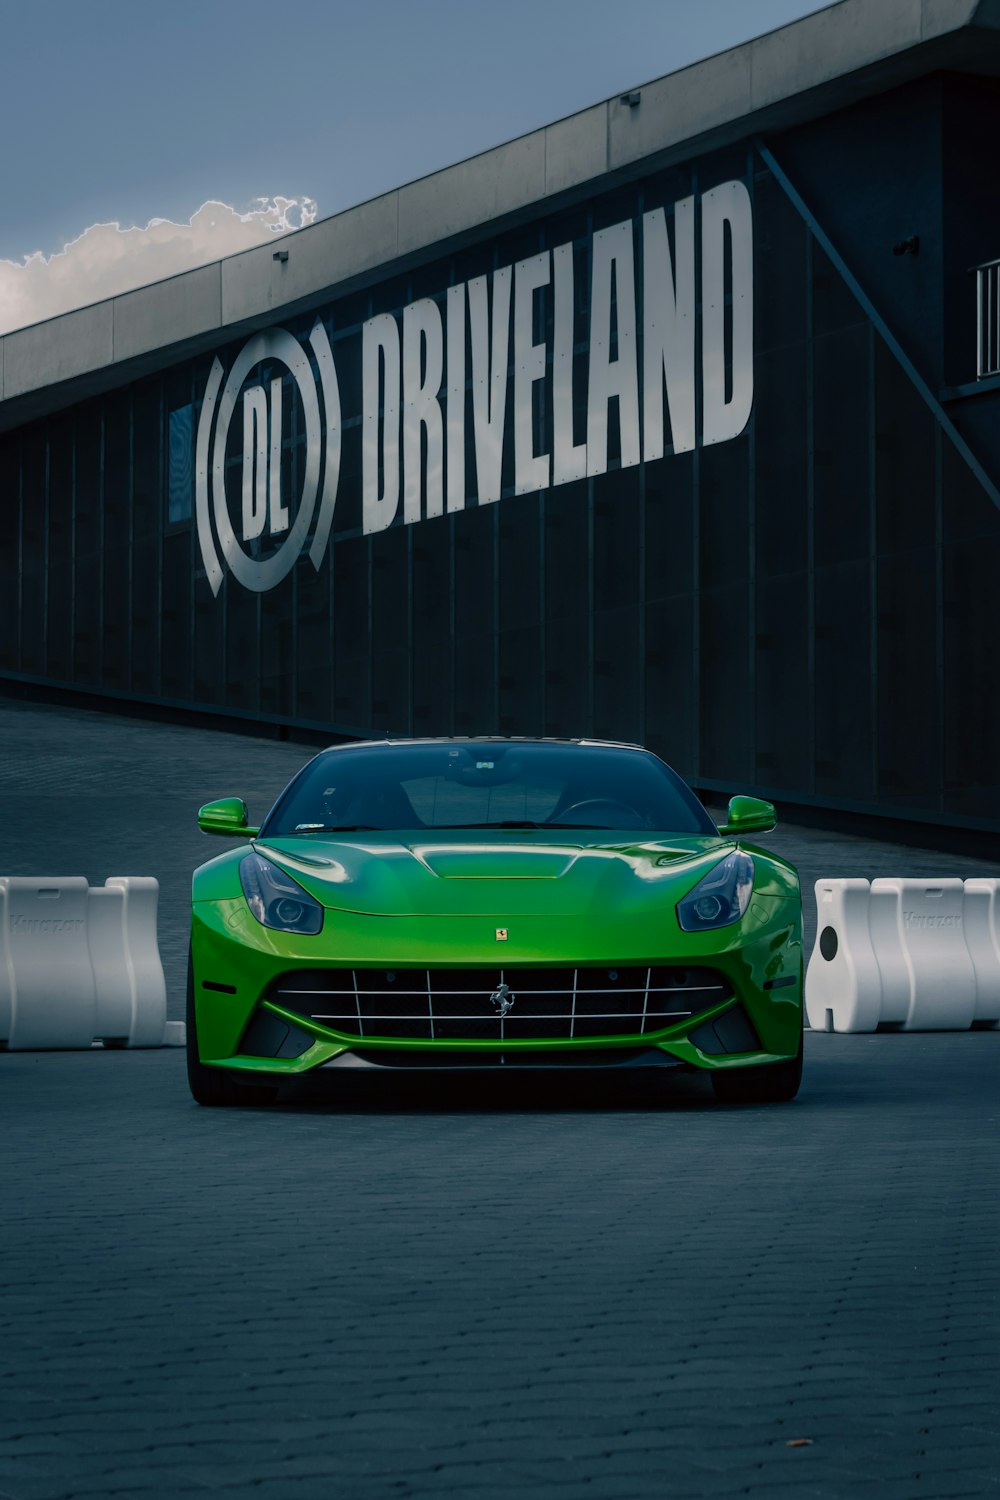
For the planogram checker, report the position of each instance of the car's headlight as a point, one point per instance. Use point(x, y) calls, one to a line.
point(721, 897)
point(276, 900)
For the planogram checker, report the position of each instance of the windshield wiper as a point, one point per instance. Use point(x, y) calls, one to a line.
point(595, 827)
point(333, 828)
point(494, 823)
point(514, 823)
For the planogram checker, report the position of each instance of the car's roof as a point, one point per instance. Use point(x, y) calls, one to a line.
point(488, 739)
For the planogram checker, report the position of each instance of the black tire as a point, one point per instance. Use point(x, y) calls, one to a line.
point(214, 1086)
point(772, 1083)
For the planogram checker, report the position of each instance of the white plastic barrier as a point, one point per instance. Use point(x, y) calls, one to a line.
point(79, 963)
point(47, 996)
point(843, 984)
point(928, 982)
point(921, 955)
point(981, 915)
point(128, 975)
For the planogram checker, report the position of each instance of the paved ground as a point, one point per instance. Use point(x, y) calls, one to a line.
point(401, 1290)
point(439, 1294)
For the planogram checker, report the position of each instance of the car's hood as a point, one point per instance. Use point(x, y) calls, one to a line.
point(472, 873)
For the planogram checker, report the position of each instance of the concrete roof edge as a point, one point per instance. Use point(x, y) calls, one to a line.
point(805, 58)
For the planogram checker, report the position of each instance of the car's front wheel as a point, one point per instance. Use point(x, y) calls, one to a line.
point(771, 1083)
point(215, 1086)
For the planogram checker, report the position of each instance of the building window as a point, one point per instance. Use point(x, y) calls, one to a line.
point(988, 319)
point(180, 477)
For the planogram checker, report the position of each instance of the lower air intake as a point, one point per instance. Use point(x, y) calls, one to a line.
point(733, 1031)
point(269, 1036)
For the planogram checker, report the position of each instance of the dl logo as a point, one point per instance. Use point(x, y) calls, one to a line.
point(261, 505)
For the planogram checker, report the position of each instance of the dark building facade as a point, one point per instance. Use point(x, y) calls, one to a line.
point(705, 456)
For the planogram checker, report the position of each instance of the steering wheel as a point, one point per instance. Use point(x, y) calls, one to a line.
point(604, 807)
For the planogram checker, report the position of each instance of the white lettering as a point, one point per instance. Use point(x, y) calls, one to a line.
point(254, 462)
point(415, 437)
point(277, 512)
point(569, 459)
point(726, 207)
point(456, 397)
point(668, 329)
point(379, 388)
point(490, 342)
point(422, 370)
point(612, 379)
point(531, 469)
point(45, 924)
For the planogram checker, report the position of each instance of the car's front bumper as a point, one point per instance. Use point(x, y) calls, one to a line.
point(236, 962)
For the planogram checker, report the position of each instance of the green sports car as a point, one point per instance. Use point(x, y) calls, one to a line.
point(484, 902)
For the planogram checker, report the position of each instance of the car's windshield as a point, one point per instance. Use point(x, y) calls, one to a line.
point(483, 784)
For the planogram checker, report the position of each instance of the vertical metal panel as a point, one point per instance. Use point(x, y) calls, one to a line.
point(20, 553)
point(751, 632)
point(370, 569)
point(640, 317)
point(101, 540)
point(72, 559)
point(939, 680)
point(452, 668)
point(297, 483)
point(192, 613)
point(412, 643)
point(696, 766)
point(542, 614)
point(810, 522)
point(45, 557)
point(589, 705)
point(495, 655)
point(495, 517)
point(161, 516)
point(331, 583)
point(873, 635)
point(129, 612)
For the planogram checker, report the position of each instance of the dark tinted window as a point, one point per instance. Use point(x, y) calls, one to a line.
point(484, 784)
point(180, 464)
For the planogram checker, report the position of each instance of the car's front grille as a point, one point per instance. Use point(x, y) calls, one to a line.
point(500, 1004)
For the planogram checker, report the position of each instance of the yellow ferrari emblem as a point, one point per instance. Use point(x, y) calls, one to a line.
point(501, 934)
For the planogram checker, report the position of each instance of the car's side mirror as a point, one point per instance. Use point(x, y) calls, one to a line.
point(228, 816)
point(749, 815)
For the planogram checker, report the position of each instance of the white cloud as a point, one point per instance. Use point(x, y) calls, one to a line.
point(106, 259)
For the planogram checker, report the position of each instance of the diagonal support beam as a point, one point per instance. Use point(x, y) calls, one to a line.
point(892, 343)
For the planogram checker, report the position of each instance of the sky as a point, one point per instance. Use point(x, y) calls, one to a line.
point(200, 127)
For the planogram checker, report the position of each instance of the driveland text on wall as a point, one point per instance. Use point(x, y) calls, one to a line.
point(445, 384)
